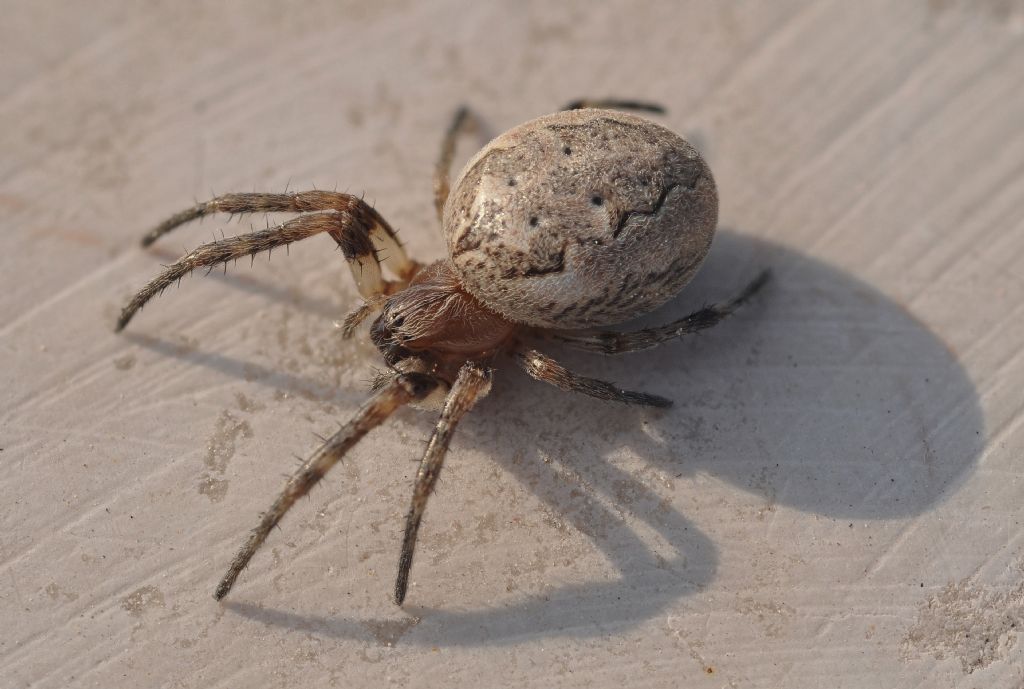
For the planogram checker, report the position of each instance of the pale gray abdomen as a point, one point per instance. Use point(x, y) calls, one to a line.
point(582, 218)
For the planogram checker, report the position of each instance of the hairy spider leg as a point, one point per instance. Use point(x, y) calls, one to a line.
point(463, 122)
point(472, 383)
point(359, 230)
point(611, 342)
point(400, 390)
point(384, 238)
point(545, 369)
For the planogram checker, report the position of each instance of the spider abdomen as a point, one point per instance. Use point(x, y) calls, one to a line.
point(582, 218)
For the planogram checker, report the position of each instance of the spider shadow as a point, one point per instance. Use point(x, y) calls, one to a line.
point(303, 386)
point(650, 581)
point(251, 284)
point(649, 584)
point(822, 395)
point(319, 388)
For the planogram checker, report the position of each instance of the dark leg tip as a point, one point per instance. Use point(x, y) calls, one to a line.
point(402, 581)
point(647, 400)
point(123, 320)
point(653, 108)
point(615, 104)
point(762, 279)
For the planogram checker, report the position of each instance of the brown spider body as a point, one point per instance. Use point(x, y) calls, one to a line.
point(583, 218)
point(435, 315)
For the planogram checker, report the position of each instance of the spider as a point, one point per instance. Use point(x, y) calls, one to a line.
point(580, 219)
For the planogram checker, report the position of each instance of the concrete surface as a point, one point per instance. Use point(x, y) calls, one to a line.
point(835, 501)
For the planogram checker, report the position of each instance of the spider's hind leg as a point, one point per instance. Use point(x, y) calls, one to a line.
point(545, 369)
point(615, 104)
point(612, 342)
point(463, 122)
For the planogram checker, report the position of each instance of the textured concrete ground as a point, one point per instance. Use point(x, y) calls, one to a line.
point(834, 501)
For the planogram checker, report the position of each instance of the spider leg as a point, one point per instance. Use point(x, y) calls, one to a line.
point(615, 104)
point(354, 318)
point(472, 383)
point(545, 369)
point(400, 390)
point(381, 234)
point(351, 229)
point(611, 342)
point(463, 122)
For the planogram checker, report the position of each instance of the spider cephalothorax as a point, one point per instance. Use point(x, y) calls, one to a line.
point(580, 219)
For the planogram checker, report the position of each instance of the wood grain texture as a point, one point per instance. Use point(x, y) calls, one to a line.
point(834, 499)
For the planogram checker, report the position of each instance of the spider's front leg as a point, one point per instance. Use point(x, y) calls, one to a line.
point(359, 230)
point(472, 383)
point(400, 390)
point(382, 236)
